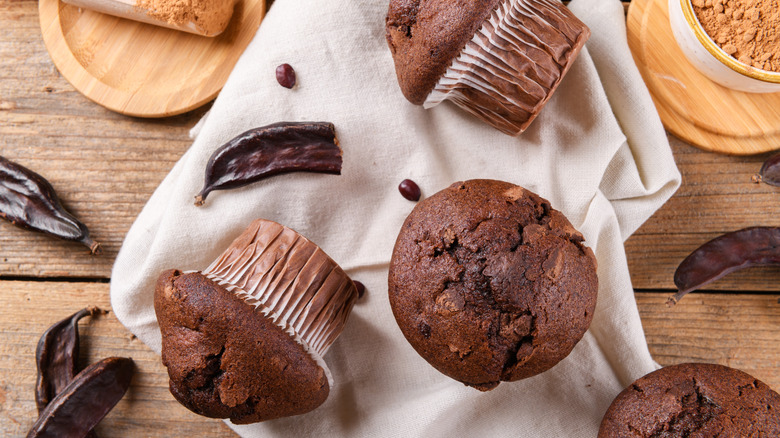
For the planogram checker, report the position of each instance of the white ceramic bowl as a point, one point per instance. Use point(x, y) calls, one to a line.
point(710, 59)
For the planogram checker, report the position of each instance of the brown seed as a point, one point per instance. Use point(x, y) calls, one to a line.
point(285, 75)
point(361, 289)
point(409, 190)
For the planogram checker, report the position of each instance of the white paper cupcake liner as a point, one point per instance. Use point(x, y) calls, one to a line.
point(288, 279)
point(511, 67)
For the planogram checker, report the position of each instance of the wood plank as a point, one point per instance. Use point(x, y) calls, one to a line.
point(46, 125)
point(737, 330)
point(717, 195)
point(148, 409)
point(742, 331)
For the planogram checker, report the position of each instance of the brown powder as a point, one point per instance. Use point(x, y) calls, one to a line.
point(209, 16)
point(748, 30)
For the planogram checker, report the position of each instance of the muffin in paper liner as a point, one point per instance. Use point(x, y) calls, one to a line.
point(244, 338)
point(288, 279)
point(505, 73)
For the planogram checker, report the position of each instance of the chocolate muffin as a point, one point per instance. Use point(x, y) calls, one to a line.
point(500, 60)
point(694, 400)
point(489, 283)
point(244, 338)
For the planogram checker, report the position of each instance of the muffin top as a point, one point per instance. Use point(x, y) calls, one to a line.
point(696, 400)
point(424, 38)
point(226, 360)
point(489, 283)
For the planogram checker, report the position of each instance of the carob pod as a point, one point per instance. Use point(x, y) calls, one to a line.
point(57, 355)
point(770, 171)
point(754, 246)
point(86, 400)
point(271, 150)
point(28, 201)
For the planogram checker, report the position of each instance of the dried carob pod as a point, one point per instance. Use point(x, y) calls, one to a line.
point(244, 338)
point(85, 400)
point(770, 171)
point(754, 246)
point(57, 356)
point(29, 201)
point(271, 150)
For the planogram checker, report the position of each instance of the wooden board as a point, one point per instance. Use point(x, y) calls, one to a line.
point(139, 69)
point(105, 166)
point(691, 106)
point(717, 195)
point(739, 331)
point(147, 410)
point(736, 330)
point(47, 125)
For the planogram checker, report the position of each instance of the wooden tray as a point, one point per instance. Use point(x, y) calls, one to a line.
point(139, 69)
point(691, 106)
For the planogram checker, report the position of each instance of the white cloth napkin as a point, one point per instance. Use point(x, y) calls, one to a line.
point(598, 152)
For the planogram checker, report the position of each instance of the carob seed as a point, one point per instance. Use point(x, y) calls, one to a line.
point(285, 75)
point(770, 171)
point(28, 201)
point(85, 400)
point(754, 246)
point(271, 150)
point(361, 288)
point(409, 190)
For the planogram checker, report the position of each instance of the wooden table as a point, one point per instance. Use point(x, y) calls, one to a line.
point(105, 166)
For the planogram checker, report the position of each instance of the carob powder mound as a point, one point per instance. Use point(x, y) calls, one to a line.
point(209, 16)
point(748, 30)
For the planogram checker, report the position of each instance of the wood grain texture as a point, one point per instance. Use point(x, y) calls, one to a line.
point(740, 331)
point(691, 106)
point(147, 410)
point(139, 69)
point(717, 195)
point(103, 165)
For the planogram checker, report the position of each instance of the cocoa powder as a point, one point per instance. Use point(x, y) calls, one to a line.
point(748, 30)
point(210, 17)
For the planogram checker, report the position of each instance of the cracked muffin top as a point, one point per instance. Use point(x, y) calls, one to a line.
point(425, 36)
point(489, 283)
point(694, 400)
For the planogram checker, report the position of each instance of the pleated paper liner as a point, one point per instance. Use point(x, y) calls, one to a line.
point(288, 279)
point(514, 63)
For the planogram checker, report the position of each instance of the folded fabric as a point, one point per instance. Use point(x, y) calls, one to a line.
point(598, 152)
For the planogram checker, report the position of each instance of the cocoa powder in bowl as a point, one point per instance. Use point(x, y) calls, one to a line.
point(748, 30)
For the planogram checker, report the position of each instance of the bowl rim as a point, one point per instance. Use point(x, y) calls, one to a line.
point(716, 51)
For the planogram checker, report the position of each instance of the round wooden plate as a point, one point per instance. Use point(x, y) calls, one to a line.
point(139, 69)
point(691, 106)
